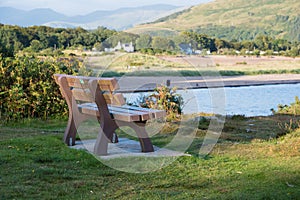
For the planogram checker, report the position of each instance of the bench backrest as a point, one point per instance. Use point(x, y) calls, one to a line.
point(80, 88)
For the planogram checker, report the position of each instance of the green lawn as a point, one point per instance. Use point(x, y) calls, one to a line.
point(35, 164)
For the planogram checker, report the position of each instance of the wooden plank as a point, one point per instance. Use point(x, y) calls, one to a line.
point(114, 99)
point(153, 112)
point(85, 95)
point(93, 110)
point(89, 111)
point(78, 82)
point(125, 117)
point(142, 115)
point(118, 99)
point(82, 95)
point(106, 84)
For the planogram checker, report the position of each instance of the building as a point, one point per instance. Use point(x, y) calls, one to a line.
point(186, 48)
point(128, 47)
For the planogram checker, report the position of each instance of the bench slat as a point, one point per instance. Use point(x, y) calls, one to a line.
point(137, 113)
point(91, 110)
point(143, 115)
point(114, 99)
point(82, 95)
point(106, 84)
point(85, 95)
point(154, 113)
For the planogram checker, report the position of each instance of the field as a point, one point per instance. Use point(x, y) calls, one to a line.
point(142, 64)
point(257, 163)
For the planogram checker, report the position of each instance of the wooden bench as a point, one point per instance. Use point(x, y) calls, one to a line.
point(98, 97)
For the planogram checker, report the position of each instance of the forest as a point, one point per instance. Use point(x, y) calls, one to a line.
point(51, 41)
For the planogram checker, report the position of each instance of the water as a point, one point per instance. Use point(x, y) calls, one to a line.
point(248, 101)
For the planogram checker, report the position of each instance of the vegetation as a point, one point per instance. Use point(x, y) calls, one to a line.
point(48, 41)
point(292, 109)
point(245, 164)
point(255, 158)
point(37, 38)
point(28, 90)
point(164, 98)
point(233, 20)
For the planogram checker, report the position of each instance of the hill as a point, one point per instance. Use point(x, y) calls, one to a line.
point(119, 19)
point(233, 19)
point(28, 18)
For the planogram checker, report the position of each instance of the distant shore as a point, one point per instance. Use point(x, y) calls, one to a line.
point(143, 84)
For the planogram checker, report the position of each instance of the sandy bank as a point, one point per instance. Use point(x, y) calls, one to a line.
point(138, 84)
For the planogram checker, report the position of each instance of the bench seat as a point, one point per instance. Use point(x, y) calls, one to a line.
point(123, 113)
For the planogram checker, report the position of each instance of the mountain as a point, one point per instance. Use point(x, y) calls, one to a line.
point(28, 18)
point(232, 19)
point(119, 19)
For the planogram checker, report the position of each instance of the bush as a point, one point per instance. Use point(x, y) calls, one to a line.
point(27, 87)
point(165, 98)
point(293, 109)
point(241, 63)
point(288, 127)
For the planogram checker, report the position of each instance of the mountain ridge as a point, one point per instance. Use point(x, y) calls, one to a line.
point(49, 17)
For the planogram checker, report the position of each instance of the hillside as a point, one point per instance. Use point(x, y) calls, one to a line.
point(119, 19)
point(19, 17)
point(233, 19)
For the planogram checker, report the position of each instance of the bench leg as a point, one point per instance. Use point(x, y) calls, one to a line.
point(140, 130)
point(105, 136)
point(70, 132)
point(101, 144)
point(109, 130)
point(145, 142)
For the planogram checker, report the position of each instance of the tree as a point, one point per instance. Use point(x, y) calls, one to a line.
point(249, 45)
point(143, 42)
point(122, 37)
point(35, 45)
point(263, 42)
point(162, 44)
point(220, 44)
point(294, 52)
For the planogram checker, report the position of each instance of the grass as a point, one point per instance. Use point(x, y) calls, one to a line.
point(129, 62)
point(35, 164)
point(137, 64)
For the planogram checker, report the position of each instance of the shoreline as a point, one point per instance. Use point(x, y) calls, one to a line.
point(130, 84)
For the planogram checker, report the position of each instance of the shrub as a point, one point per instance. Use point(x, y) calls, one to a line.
point(293, 109)
point(203, 123)
point(241, 63)
point(165, 98)
point(288, 127)
point(27, 87)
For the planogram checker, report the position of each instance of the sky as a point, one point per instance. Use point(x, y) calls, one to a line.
point(76, 7)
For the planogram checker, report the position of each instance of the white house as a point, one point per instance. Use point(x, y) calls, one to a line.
point(128, 47)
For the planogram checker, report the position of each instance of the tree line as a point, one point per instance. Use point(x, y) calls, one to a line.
point(37, 38)
point(42, 38)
